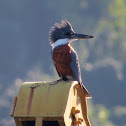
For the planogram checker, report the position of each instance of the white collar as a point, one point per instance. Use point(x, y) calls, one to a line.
point(60, 42)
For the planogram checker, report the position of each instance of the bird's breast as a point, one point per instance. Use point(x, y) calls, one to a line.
point(62, 58)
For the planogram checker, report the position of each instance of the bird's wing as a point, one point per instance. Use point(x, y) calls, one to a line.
point(74, 64)
point(54, 63)
point(77, 73)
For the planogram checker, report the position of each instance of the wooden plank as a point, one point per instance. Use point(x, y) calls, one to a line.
point(27, 119)
point(39, 121)
point(13, 106)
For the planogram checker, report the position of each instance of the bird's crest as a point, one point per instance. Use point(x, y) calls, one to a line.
point(58, 31)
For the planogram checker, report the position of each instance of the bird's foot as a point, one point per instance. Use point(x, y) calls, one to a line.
point(59, 80)
point(56, 82)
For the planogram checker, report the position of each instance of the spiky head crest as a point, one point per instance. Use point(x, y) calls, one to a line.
point(60, 31)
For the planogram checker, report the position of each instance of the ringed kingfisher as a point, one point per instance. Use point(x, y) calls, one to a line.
point(64, 56)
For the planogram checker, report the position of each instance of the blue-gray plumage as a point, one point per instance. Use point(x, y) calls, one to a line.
point(64, 56)
point(74, 64)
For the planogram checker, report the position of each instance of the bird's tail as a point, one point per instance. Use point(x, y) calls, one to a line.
point(87, 94)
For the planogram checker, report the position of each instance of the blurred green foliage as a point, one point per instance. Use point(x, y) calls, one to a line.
point(99, 115)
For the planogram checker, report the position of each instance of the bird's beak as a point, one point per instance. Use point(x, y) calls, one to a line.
point(80, 36)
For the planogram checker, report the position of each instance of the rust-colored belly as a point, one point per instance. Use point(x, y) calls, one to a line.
point(62, 58)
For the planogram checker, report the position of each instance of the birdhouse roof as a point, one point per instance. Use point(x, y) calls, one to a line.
point(42, 98)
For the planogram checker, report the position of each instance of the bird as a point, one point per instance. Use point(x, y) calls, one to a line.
point(64, 56)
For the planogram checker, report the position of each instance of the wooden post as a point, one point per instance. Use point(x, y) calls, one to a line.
point(17, 121)
point(39, 121)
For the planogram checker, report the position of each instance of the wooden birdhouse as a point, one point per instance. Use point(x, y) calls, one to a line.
point(50, 104)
